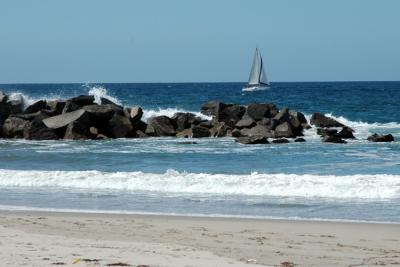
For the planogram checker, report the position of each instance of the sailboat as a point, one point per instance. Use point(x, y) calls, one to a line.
point(257, 79)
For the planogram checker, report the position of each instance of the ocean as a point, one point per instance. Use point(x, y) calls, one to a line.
point(357, 181)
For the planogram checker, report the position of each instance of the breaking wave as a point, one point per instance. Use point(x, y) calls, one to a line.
point(377, 186)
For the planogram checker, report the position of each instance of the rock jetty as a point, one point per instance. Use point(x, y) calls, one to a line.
point(81, 118)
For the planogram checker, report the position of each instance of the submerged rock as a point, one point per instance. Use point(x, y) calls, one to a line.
point(280, 141)
point(333, 139)
point(381, 138)
point(252, 140)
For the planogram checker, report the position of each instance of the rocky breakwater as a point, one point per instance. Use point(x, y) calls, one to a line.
point(81, 118)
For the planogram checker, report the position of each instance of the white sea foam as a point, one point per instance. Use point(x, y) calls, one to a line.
point(101, 92)
point(169, 112)
point(379, 186)
point(362, 129)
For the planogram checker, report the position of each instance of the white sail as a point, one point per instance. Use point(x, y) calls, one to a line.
point(257, 73)
point(255, 69)
point(263, 77)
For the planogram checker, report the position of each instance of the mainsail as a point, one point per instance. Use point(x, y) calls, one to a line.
point(257, 73)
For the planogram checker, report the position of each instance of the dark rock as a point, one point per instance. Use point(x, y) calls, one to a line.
point(231, 114)
point(35, 107)
point(162, 126)
point(258, 130)
point(280, 141)
point(220, 129)
point(333, 139)
point(14, 127)
point(284, 130)
point(345, 133)
point(252, 140)
point(187, 143)
point(63, 120)
point(299, 116)
point(380, 138)
point(236, 133)
point(258, 111)
point(245, 122)
point(4, 108)
point(15, 103)
point(120, 126)
point(199, 132)
point(100, 114)
point(140, 134)
point(207, 124)
point(183, 120)
point(320, 120)
point(69, 107)
point(135, 114)
point(212, 108)
point(56, 106)
point(106, 101)
point(282, 116)
point(78, 129)
point(299, 140)
point(37, 130)
point(265, 122)
point(83, 100)
point(326, 132)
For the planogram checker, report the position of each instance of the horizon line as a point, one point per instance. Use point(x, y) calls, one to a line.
point(197, 82)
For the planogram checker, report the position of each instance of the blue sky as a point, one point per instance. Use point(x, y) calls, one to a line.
point(208, 40)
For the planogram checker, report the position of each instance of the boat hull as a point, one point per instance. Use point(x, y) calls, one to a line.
point(255, 88)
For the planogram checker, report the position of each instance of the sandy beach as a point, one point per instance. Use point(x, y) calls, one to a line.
point(77, 239)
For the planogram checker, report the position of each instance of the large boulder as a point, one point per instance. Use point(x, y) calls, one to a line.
point(284, 130)
point(37, 130)
point(258, 111)
point(252, 140)
point(231, 114)
point(345, 133)
point(199, 132)
point(161, 126)
point(381, 138)
point(184, 120)
point(320, 120)
point(14, 127)
point(212, 108)
point(258, 130)
point(100, 114)
point(63, 120)
point(35, 107)
point(245, 122)
point(120, 126)
point(82, 100)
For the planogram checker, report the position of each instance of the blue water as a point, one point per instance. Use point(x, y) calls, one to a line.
point(356, 181)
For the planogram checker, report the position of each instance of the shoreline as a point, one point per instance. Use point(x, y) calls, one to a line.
point(42, 238)
point(24, 209)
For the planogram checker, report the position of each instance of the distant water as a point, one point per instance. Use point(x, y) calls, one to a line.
point(356, 181)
